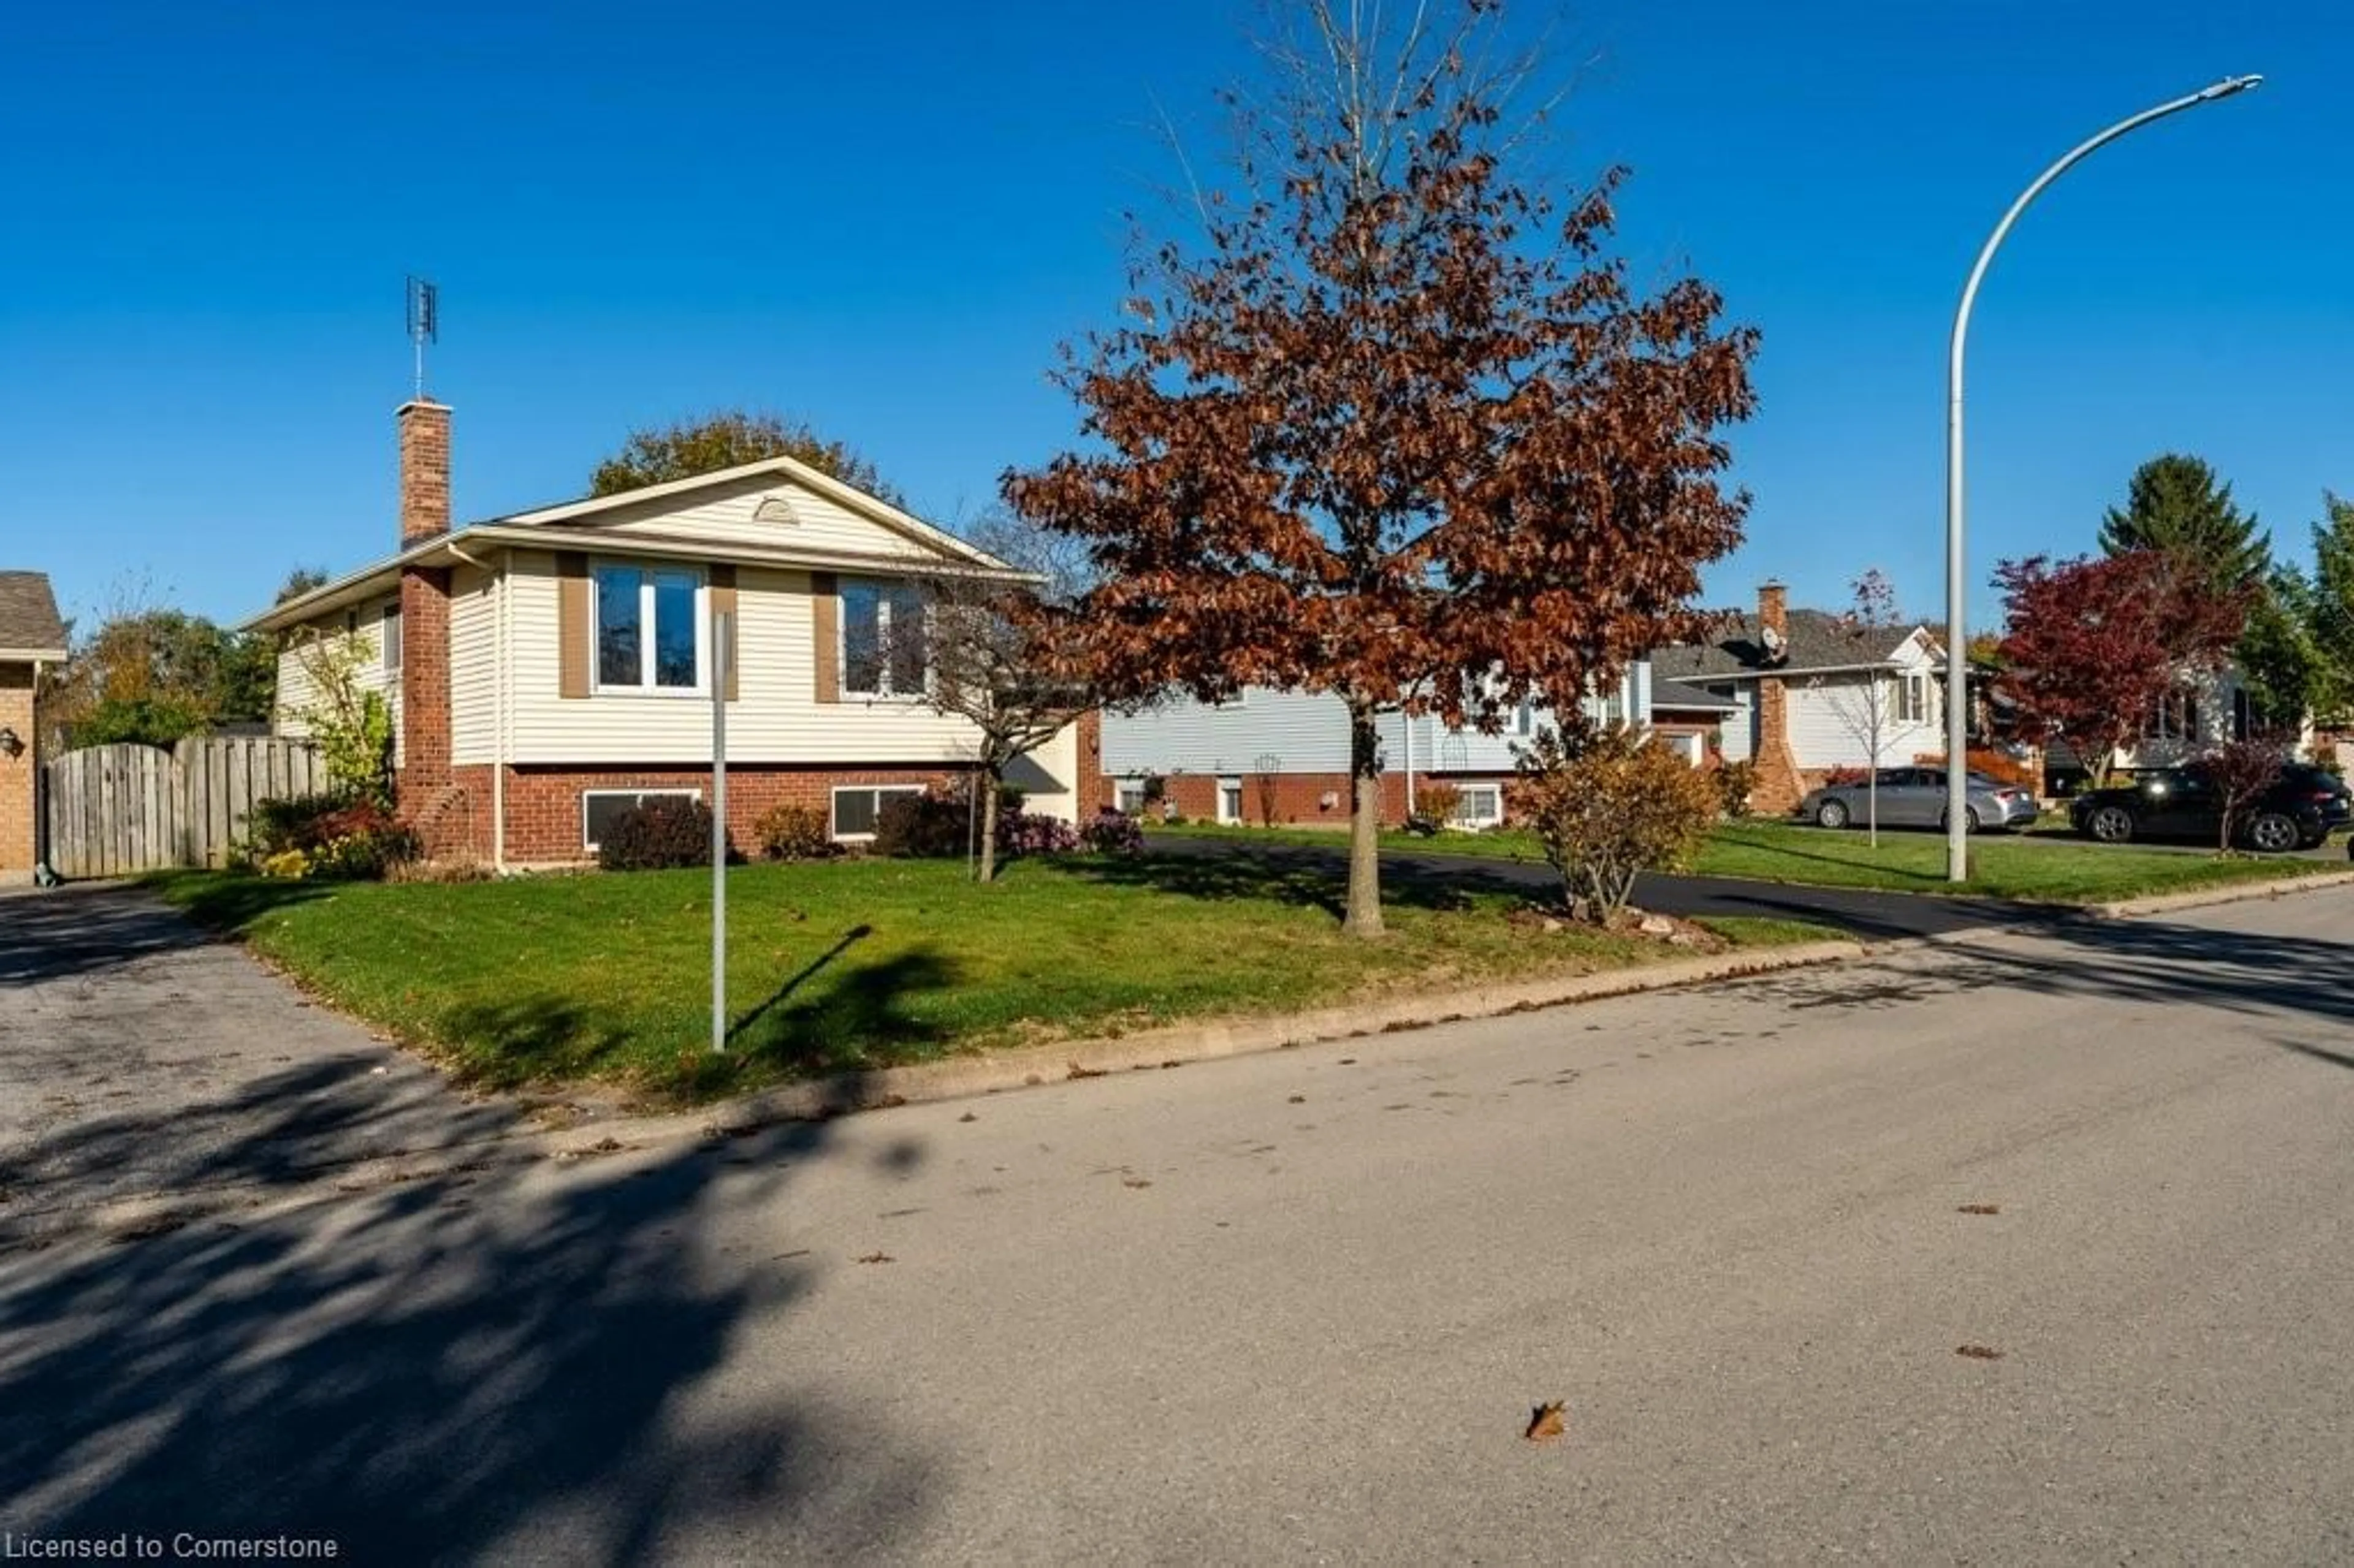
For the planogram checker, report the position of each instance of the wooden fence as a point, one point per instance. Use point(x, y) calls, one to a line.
point(114, 810)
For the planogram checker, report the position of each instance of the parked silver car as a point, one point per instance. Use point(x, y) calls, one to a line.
point(1915, 797)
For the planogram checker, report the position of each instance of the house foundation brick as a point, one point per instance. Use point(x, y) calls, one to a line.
point(544, 812)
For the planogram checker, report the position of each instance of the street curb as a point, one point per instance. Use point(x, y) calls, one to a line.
point(1177, 1045)
point(2237, 892)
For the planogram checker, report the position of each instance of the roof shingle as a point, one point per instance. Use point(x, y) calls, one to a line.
point(1819, 640)
point(29, 622)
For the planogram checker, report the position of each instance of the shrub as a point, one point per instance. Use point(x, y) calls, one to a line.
point(1439, 802)
point(935, 825)
point(1735, 782)
point(289, 823)
point(292, 866)
point(1026, 832)
point(1113, 832)
point(1843, 777)
point(662, 833)
point(1424, 824)
point(794, 832)
point(1616, 808)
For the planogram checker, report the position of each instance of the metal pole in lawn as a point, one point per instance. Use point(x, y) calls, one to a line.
point(722, 624)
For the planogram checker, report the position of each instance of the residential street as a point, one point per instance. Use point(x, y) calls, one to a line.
point(1296, 1308)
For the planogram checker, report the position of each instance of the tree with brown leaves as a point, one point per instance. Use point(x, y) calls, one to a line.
point(1394, 429)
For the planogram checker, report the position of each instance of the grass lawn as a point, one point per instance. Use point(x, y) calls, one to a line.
point(2067, 871)
point(861, 963)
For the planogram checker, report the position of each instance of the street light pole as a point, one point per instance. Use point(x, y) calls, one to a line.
point(1957, 637)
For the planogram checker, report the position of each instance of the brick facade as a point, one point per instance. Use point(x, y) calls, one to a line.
point(543, 809)
point(1299, 799)
point(19, 774)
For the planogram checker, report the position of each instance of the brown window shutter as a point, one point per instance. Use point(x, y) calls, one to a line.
point(723, 602)
point(575, 611)
point(825, 614)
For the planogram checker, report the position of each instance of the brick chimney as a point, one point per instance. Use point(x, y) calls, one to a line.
point(1773, 599)
point(423, 780)
point(424, 471)
point(1779, 786)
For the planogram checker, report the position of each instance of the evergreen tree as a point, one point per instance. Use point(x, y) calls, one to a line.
point(2326, 612)
point(2175, 503)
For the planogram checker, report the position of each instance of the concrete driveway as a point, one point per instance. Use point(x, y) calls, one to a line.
point(141, 1060)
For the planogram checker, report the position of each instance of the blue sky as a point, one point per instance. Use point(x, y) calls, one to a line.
point(885, 218)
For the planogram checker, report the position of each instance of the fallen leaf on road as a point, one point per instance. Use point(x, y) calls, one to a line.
point(968, 1117)
point(1134, 1182)
point(1546, 1423)
point(1079, 1072)
point(1978, 1352)
point(1981, 1209)
point(1299, 1099)
point(878, 1257)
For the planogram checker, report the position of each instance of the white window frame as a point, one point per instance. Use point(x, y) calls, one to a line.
point(1125, 790)
point(884, 587)
point(641, 796)
point(392, 644)
point(1242, 805)
point(1913, 699)
point(1465, 817)
point(834, 809)
point(645, 685)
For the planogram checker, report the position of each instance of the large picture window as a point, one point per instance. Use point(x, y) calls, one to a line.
point(649, 635)
point(857, 806)
point(885, 650)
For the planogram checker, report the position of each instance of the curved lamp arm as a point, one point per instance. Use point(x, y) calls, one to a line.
point(1957, 637)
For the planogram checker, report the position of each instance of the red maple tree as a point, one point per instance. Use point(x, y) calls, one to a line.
point(2092, 645)
point(1394, 430)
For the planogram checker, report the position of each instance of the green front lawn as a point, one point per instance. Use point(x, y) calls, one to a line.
point(2067, 871)
point(863, 963)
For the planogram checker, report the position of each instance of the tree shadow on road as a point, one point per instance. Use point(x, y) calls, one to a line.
point(495, 1361)
point(2296, 979)
point(86, 929)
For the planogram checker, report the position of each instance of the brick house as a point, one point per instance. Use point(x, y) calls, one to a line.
point(547, 669)
point(1803, 685)
point(32, 637)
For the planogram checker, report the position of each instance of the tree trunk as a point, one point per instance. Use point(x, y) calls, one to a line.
point(1365, 913)
point(988, 869)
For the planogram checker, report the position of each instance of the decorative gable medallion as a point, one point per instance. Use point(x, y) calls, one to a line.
point(775, 509)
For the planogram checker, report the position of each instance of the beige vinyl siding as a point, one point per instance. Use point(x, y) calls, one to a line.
point(777, 717)
point(297, 692)
point(815, 523)
point(473, 665)
point(1831, 718)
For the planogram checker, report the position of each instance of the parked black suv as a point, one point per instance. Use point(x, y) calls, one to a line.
point(2298, 812)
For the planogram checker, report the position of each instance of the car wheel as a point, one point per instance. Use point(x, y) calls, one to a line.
point(1970, 820)
point(2272, 833)
point(2110, 824)
point(1830, 814)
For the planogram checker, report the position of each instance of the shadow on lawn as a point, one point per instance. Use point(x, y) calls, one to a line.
point(1308, 876)
point(826, 1019)
point(467, 1365)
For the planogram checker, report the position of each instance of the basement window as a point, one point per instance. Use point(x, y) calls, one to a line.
point(599, 808)
point(856, 806)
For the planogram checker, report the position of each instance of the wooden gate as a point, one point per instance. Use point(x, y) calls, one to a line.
point(115, 811)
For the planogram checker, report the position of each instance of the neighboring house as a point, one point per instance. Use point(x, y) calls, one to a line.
point(1803, 685)
point(1229, 762)
point(32, 637)
point(547, 669)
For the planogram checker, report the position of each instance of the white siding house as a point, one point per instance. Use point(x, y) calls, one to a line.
point(576, 660)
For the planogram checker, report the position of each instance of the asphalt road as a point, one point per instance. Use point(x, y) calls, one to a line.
point(1874, 916)
point(1295, 1308)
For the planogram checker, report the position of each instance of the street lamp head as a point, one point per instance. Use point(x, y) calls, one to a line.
point(2230, 85)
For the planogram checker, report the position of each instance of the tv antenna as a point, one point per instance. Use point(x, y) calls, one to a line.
point(424, 323)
